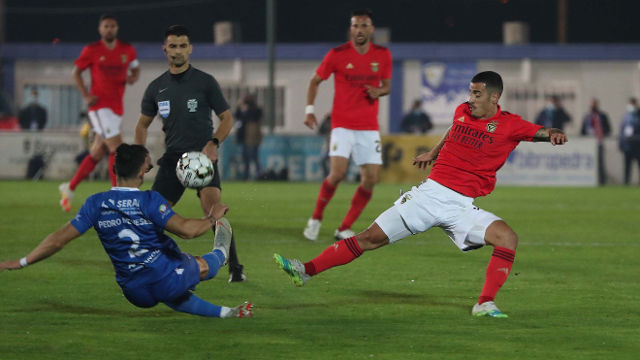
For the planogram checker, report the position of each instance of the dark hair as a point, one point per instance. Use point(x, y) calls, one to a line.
point(491, 79)
point(107, 16)
point(129, 160)
point(362, 12)
point(177, 30)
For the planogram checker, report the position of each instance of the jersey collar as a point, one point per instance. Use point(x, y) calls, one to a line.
point(122, 188)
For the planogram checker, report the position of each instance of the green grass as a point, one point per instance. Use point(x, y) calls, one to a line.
point(573, 293)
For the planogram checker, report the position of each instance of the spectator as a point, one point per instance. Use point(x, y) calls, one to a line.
point(596, 123)
point(33, 116)
point(629, 140)
point(553, 115)
point(416, 121)
point(249, 115)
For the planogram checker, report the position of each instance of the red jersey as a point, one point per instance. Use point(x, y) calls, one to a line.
point(108, 72)
point(476, 148)
point(352, 107)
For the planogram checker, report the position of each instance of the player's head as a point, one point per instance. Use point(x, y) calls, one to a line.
point(484, 93)
point(177, 45)
point(131, 162)
point(108, 27)
point(361, 26)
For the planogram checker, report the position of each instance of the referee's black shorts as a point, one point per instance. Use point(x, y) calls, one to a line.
point(167, 183)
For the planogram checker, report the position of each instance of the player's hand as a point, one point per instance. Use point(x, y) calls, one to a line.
point(311, 121)
point(217, 211)
point(372, 91)
point(211, 151)
point(91, 100)
point(423, 160)
point(557, 137)
point(10, 265)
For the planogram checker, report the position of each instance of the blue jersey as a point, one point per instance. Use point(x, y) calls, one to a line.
point(130, 224)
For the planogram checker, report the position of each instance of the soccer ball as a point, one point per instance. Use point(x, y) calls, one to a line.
point(194, 169)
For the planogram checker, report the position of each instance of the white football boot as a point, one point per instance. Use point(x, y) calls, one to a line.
point(313, 228)
point(344, 234)
point(489, 309)
point(66, 195)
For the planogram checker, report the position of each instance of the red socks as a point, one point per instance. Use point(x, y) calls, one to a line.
point(86, 167)
point(324, 196)
point(112, 174)
point(340, 253)
point(497, 271)
point(359, 201)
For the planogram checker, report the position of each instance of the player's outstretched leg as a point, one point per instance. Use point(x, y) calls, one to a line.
point(191, 304)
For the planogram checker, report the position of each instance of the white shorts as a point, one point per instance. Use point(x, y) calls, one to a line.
point(364, 145)
point(105, 122)
point(431, 204)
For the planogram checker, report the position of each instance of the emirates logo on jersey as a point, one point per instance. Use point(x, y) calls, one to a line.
point(123, 57)
point(492, 126)
point(375, 66)
point(349, 66)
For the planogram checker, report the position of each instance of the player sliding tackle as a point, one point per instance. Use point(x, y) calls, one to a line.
point(465, 164)
point(149, 266)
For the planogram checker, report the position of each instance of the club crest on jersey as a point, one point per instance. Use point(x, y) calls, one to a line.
point(192, 105)
point(492, 126)
point(164, 108)
point(123, 57)
point(375, 66)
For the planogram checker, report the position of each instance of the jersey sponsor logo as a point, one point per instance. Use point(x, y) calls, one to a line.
point(375, 66)
point(349, 66)
point(469, 136)
point(192, 105)
point(162, 209)
point(492, 126)
point(164, 108)
point(128, 203)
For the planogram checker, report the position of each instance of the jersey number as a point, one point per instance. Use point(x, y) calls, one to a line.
point(130, 235)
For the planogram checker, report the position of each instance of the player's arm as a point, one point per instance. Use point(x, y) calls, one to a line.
point(552, 135)
point(382, 90)
point(312, 91)
point(134, 75)
point(191, 228)
point(77, 78)
point(221, 133)
point(425, 159)
point(142, 127)
point(51, 244)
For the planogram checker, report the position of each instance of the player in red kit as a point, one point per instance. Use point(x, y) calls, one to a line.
point(466, 161)
point(362, 73)
point(113, 64)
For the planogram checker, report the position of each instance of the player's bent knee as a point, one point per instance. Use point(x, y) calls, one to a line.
point(500, 234)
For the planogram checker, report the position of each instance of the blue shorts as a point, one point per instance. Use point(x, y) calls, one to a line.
point(176, 284)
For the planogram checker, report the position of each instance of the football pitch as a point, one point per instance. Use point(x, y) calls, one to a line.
point(573, 292)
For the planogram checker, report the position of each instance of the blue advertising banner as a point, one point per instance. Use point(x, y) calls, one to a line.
point(444, 87)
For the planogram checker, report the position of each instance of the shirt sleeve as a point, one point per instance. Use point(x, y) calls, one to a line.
point(134, 63)
point(84, 60)
point(157, 209)
point(149, 107)
point(86, 216)
point(216, 99)
point(326, 67)
point(523, 130)
point(387, 66)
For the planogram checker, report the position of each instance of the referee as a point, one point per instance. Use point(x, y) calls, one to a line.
point(184, 97)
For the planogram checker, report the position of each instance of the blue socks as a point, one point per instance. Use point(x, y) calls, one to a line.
point(196, 306)
point(215, 259)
